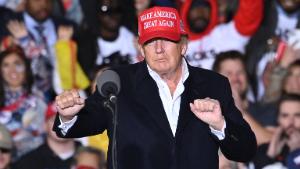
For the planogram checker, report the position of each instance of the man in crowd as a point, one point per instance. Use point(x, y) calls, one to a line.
point(284, 147)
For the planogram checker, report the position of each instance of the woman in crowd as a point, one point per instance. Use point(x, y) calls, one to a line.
point(21, 110)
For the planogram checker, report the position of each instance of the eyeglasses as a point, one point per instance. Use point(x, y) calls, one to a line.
point(5, 150)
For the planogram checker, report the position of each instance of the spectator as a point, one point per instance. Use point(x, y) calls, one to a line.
point(207, 38)
point(281, 17)
point(54, 153)
point(232, 65)
point(89, 158)
point(111, 38)
point(292, 81)
point(6, 146)
point(285, 143)
point(284, 75)
point(22, 111)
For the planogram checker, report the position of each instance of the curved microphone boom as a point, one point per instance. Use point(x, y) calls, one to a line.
point(108, 84)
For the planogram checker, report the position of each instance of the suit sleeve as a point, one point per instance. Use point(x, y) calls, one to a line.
point(249, 16)
point(92, 119)
point(240, 142)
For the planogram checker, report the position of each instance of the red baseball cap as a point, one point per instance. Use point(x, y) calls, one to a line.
point(160, 22)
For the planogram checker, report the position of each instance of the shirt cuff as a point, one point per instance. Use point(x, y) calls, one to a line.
point(219, 133)
point(65, 126)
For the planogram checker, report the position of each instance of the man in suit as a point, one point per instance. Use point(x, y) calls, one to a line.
point(171, 115)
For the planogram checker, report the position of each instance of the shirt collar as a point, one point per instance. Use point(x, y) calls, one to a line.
point(31, 22)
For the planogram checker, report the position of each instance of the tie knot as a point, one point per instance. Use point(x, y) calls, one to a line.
point(40, 29)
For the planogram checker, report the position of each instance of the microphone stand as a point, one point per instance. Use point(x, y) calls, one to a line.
point(112, 100)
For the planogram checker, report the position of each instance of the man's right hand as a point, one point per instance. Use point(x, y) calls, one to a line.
point(68, 104)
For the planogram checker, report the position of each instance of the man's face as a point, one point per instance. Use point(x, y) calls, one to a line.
point(235, 72)
point(110, 15)
point(289, 116)
point(290, 6)
point(39, 9)
point(198, 18)
point(163, 56)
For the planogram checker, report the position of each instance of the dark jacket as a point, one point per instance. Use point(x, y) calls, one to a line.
point(144, 137)
point(43, 158)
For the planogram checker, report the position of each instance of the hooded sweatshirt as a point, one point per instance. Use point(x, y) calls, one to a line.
point(204, 46)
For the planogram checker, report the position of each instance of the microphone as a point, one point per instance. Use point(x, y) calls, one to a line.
point(108, 85)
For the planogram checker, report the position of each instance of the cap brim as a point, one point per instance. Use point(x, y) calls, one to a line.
point(159, 34)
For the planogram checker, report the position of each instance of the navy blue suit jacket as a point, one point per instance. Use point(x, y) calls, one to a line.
point(144, 137)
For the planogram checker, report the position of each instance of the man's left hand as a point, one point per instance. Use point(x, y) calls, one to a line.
point(209, 111)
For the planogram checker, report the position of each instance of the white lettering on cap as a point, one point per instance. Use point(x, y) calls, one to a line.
point(158, 14)
point(150, 24)
point(166, 23)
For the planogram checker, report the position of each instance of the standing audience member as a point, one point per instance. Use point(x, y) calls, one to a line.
point(6, 146)
point(232, 65)
point(281, 18)
point(284, 75)
point(207, 37)
point(284, 147)
point(89, 158)
point(183, 120)
point(22, 110)
point(112, 39)
point(55, 153)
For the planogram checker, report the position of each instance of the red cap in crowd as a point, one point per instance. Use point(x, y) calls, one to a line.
point(160, 22)
point(51, 111)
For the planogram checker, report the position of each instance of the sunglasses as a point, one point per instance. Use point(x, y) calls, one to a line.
point(5, 150)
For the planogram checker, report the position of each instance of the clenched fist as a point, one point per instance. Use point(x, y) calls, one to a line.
point(68, 104)
point(209, 111)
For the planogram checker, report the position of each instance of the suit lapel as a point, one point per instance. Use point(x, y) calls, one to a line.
point(147, 94)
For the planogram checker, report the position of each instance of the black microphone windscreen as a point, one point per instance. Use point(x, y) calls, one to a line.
point(108, 82)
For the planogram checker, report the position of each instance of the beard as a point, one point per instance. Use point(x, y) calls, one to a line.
point(289, 6)
point(198, 25)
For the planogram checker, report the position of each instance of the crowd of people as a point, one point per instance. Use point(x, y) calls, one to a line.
point(51, 46)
